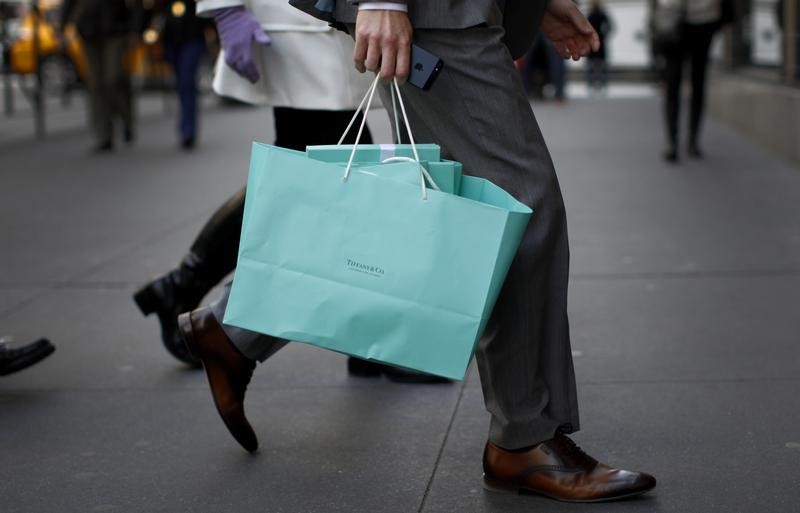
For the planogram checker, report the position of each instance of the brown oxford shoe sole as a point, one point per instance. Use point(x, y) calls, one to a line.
point(227, 370)
point(496, 486)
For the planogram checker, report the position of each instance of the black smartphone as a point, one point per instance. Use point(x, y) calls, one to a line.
point(425, 67)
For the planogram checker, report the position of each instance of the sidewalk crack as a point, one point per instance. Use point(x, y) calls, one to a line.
point(441, 448)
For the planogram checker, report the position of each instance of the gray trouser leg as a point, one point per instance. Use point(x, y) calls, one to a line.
point(251, 344)
point(478, 112)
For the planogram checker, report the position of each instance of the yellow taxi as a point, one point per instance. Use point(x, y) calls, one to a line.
point(62, 61)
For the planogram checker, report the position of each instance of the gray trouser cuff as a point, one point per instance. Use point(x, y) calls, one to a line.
point(251, 344)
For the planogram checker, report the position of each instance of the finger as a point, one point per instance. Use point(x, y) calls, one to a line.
point(578, 48)
point(388, 60)
point(231, 63)
point(250, 72)
point(360, 53)
point(573, 49)
point(403, 64)
point(373, 60)
point(581, 51)
point(595, 42)
point(262, 38)
point(588, 45)
point(584, 45)
point(580, 22)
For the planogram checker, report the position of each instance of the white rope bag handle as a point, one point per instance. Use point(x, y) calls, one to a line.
point(366, 103)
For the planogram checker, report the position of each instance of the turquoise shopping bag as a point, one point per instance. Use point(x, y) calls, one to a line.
point(370, 266)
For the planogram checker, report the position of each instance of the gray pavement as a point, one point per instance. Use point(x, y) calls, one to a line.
point(685, 309)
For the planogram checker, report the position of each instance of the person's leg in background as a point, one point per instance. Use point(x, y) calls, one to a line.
point(98, 104)
point(187, 62)
point(172, 56)
point(557, 69)
point(591, 74)
point(117, 85)
point(673, 77)
point(601, 64)
point(699, 39)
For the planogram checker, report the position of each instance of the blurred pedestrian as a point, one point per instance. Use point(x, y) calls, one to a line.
point(309, 81)
point(15, 359)
point(184, 37)
point(542, 66)
point(534, 68)
point(597, 61)
point(557, 71)
point(107, 28)
point(699, 21)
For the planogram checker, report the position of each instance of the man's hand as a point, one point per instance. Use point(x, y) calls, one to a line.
point(383, 43)
point(568, 29)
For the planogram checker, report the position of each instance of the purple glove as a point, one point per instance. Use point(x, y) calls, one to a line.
point(237, 29)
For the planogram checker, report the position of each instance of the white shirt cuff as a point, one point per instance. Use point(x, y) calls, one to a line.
point(382, 6)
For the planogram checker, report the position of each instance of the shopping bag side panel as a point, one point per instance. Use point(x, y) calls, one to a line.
point(516, 223)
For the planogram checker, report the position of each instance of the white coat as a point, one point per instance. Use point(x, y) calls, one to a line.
point(308, 65)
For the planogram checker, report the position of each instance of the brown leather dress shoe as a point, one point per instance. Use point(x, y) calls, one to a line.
point(228, 371)
point(559, 469)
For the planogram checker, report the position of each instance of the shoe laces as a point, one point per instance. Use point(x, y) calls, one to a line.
point(576, 452)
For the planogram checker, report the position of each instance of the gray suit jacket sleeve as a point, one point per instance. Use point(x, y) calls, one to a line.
point(356, 2)
point(520, 18)
point(521, 21)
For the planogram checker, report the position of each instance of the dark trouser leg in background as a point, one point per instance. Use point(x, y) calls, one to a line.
point(699, 41)
point(109, 88)
point(117, 83)
point(673, 76)
point(98, 102)
point(185, 60)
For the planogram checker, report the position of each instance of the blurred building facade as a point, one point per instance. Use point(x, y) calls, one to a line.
point(756, 80)
point(757, 88)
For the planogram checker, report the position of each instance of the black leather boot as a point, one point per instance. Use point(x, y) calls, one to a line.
point(211, 258)
point(170, 295)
